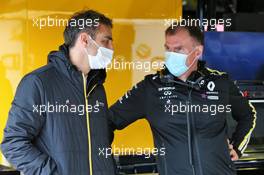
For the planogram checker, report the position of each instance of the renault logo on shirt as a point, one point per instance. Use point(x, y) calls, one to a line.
point(211, 86)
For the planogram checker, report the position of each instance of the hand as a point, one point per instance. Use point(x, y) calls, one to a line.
point(232, 152)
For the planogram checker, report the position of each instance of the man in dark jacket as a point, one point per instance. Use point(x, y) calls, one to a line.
point(186, 106)
point(57, 122)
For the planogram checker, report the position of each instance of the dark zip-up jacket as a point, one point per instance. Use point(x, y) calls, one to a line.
point(62, 141)
point(194, 139)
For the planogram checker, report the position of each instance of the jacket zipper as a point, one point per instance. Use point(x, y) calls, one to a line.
point(88, 124)
point(191, 133)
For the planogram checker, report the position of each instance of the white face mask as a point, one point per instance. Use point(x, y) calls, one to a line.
point(103, 57)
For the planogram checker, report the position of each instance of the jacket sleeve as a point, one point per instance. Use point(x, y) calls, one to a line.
point(245, 115)
point(129, 108)
point(23, 126)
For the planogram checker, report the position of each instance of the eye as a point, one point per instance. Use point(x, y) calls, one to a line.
point(104, 43)
point(166, 48)
point(178, 50)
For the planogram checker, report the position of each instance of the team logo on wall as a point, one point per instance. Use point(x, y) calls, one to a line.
point(143, 51)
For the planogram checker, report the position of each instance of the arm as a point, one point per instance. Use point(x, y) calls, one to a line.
point(129, 108)
point(245, 115)
point(22, 127)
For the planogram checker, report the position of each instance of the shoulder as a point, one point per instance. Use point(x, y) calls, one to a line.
point(39, 74)
point(215, 74)
point(44, 70)
point(35, 77)
point(151, 77)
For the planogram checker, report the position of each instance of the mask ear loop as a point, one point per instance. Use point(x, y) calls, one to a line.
point(93, 41)
point(95, 44)
point(194, 59)
point(87, 54)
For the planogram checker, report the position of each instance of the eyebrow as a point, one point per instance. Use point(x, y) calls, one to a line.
point(109, 38)
point(177, 47)
point(174, 48)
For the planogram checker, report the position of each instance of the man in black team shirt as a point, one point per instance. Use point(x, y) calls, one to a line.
point(186, 105)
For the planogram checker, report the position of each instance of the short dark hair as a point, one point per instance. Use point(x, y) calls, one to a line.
point(194, 31)
point(71, 32)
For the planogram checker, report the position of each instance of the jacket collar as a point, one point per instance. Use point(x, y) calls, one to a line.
point(60, 60)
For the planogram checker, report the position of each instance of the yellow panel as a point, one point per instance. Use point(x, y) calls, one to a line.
point(24, 47)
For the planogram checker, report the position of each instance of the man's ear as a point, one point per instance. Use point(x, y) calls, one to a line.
point(199, 52)
point(83, 39)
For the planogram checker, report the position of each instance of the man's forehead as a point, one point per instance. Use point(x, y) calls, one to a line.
point(104, 28)
point(105, 31)
point(178, 40)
